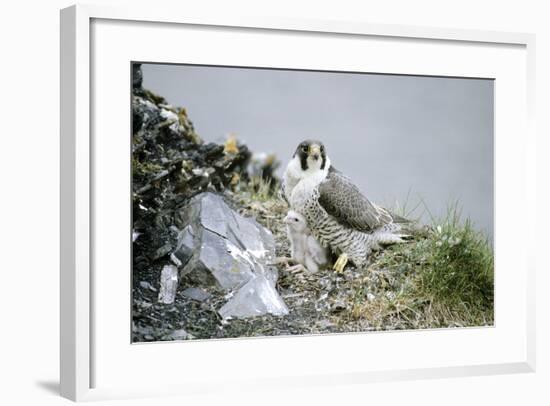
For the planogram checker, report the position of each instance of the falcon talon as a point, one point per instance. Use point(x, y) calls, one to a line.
point(341, 263)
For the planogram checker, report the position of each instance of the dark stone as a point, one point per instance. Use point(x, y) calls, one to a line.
point(137, 120)
point(137, 76)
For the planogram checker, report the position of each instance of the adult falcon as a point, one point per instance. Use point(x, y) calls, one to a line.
point(337, 213)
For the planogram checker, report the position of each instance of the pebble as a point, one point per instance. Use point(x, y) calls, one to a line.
point(197, 294)
point(147, 285)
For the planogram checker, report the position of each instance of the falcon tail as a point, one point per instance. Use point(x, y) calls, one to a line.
point(399, 231)
point(386, 237)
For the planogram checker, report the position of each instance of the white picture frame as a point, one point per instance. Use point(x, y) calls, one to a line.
point(78, 347)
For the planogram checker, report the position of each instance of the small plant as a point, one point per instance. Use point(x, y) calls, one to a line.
point(259, 188)
point(459, 269)
point(144, 168)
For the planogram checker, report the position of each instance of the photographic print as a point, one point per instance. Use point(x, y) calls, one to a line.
point(276, 202)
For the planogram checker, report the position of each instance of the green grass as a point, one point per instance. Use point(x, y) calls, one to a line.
point(258, 188)
point(446, 278)
point(458, 269)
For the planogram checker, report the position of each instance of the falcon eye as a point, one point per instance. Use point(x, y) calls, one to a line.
point(304, 148)
point(322, 148)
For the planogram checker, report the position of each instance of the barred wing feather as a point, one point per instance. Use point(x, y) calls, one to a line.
point(344, 201)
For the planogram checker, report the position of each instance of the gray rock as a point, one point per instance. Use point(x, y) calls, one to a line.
point(196, 294)
point(219, 263)
point(144, 304)
point(178, 335)
point(147, 285)
point(168, 284)
point(162, 251)
point(185, 246)
point(220, 249)
point(257, 297)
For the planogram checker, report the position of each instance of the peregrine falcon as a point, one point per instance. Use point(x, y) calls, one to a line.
point(336, 212)
point(305, 249)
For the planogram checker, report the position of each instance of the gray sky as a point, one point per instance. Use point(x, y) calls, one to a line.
point(395, 136)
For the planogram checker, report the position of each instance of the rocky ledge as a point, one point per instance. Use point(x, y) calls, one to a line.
point(208, 234)
point(187, 236)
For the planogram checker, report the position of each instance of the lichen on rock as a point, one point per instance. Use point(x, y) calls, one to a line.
point(179, 213)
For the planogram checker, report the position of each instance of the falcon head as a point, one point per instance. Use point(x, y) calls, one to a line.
point(312, 155)
point(295, 221)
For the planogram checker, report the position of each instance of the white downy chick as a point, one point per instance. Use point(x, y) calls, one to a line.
point(305, 249)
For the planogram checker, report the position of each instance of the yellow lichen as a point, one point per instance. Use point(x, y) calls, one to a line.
point(230, 146)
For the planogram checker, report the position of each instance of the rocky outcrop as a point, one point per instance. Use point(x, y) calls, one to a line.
point(170, 164)
point(181, 224)
point(220, 249)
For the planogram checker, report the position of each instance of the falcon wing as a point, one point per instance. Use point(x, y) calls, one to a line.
point(343, 200)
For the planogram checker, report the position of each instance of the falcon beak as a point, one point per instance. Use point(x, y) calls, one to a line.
point(315, 151)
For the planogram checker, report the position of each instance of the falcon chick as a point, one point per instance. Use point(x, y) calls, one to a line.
point(305, 249)
point(337, 213)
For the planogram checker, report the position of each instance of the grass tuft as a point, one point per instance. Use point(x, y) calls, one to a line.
point(459, 267)
point(451, 274)
point(258, 188)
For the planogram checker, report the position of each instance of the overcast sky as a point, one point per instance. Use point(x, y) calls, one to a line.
point(395, 136)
